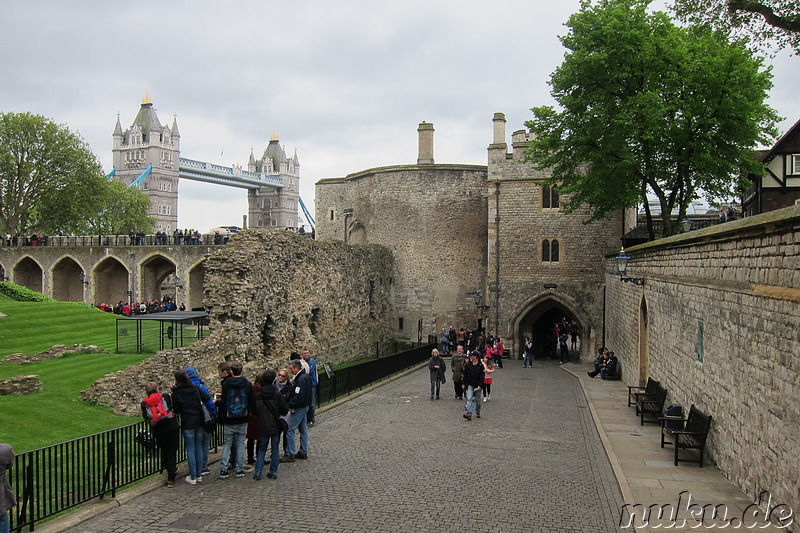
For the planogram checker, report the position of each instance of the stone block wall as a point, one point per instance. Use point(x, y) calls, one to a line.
point(717, 322)
point(269, 293)
point(433, 219)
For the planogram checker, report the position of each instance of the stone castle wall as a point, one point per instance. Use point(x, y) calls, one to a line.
point(433, 219)
point(720, 315)
point(270, 293)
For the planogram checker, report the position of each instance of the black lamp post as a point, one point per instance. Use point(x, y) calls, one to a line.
point(622, 267)
point(3, 274)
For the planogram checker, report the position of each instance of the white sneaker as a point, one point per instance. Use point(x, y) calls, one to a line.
point(488, 398)
point(199, 479)
point(484, 400)
point(190, 481)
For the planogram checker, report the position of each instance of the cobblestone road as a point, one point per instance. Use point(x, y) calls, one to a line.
point(394, 461)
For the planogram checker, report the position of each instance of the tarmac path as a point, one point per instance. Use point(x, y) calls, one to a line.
point(392, 460)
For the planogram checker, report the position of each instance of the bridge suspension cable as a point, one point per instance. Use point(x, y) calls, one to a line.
point(138, 181)
point(309, 218)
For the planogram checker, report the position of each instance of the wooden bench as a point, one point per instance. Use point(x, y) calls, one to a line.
point(692, 436)
point(649, 390)
point(652, 405)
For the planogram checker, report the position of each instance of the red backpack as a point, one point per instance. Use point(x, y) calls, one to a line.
point(159, 411)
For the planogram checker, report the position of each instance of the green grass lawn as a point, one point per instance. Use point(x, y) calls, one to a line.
point(56, 414)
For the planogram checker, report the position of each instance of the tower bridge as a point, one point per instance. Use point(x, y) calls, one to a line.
point(147, 155)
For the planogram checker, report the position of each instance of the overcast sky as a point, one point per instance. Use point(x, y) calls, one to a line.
point(344, 83)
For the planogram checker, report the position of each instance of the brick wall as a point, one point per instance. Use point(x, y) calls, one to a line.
point(740, 283)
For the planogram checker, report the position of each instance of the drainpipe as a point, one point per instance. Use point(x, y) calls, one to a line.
point(497, 259)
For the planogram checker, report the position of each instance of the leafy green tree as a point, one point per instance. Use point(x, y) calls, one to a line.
point(766, 22)
point(648, 107)
point(49, 179)
point(124, 208)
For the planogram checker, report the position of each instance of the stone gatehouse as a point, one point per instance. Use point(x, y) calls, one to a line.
point(477, 246)
point(717, 322)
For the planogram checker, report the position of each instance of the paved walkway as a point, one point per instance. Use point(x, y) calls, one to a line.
point(391, 460)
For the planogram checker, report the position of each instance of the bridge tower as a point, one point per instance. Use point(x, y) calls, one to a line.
point(271, 207)
point(147, 143)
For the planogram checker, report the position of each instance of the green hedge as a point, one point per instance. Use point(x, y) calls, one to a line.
point(22, 294)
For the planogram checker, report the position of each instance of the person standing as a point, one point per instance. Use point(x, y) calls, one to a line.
point(270, 406)
point(299, 400)
point(311, 417)
point(157, 410)
point(186, 400)
point(457, 367)
point(7, 497)
point(284, 386)
point(194, 377)
point(488, 370)
point(445, 340)
point(473, 381)
point(527, 348)
point(562, 344)
point(436, 366)
point(236, 395)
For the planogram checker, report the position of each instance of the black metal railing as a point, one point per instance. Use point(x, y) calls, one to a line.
point(54, 479)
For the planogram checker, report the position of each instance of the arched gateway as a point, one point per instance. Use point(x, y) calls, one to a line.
point(536, 317)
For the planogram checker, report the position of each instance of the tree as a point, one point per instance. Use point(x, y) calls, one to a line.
point(766, 21)
point(648, 107)
point(49, 179)
point(124, 208)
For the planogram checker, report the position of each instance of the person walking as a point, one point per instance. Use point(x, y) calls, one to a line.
point(437, 367)
point(473, 381)
point(157, 410)
point(457, 366)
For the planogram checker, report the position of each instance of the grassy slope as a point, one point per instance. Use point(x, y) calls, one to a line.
point(56, 414)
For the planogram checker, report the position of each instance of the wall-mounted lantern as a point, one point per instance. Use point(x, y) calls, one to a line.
point(622, 267)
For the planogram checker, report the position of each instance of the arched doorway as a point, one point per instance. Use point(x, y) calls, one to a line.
point(644, 342)
point(28, 273)
point(196, 286)
point(68, 286)
point(112, 283)
point(358, 234)
point(155, 271)
point(537, 320)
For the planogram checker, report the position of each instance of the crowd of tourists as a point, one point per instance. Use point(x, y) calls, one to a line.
point(266, 414)
point(142, 308)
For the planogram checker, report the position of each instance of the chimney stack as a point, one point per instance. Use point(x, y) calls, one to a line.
point(499, 120)
point(425, 143)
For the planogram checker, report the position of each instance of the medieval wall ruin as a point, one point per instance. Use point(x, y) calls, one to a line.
point(269, 293)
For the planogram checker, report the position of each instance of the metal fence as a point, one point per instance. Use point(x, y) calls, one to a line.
point(54, 479)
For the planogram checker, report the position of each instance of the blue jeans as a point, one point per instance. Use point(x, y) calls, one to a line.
point(311, 417)
point(473, 395)
point(206, 446)
point(193, 439)
point(5, 523)
point(298, 420)
point(234, 436)
point(275, 457)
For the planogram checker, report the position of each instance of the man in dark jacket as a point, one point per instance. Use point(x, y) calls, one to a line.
point(270, 407)
point(473, 384)
point(237, 395)
point(299, 401)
